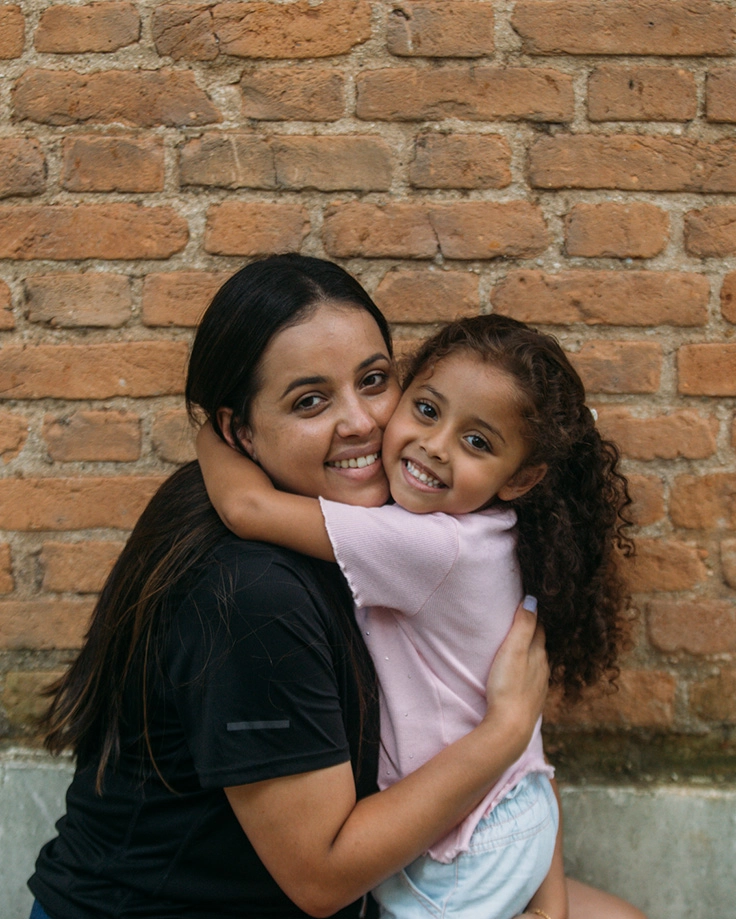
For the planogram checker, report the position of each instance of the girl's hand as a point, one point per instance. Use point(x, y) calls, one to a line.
point(517, 684)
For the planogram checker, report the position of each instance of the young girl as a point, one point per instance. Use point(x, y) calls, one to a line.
point(501, 484)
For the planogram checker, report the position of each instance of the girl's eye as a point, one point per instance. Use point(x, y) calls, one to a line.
point(426, 409)
point(478, 443)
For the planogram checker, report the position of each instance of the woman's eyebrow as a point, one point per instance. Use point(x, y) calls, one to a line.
point(303, 381)
point(378, 356)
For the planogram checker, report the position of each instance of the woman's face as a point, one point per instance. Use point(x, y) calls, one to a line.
point(327, 391)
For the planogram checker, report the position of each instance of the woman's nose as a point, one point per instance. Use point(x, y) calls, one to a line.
point(356, 420)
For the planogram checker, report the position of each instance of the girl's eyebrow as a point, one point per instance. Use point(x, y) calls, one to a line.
point(316, 381)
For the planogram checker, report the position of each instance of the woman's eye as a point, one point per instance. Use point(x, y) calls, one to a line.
point(308, 403)
point(375, 379)
point(478, 443)
point(426, 410)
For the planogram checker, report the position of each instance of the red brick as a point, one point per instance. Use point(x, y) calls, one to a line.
point(707, 369)
point(611, 230)
point(12, 31)
point(185, 30)
point(78, 567)
point(704, 502)
point(113, 164)
point(332, 163)
point(292, 30)
point(664, 565)
point(228, 161)
point(427, 296)
point(469, 93)
point(728, 297)
point(693, 626)
point(42, 625)
point(630, 298)
point(711, 232)
point(641, 94)
point(78, 300)
point(459, 230)
point(22, 167)
point(399, 230)
point(434, 28)
point(720, 96)
point(647, 493)
point(619, 366)
point(326, 163)
point(101, 27)
point(728, 561)
point(85, 503)
point(7, 319)
point(13, 434)
point(633, 163)
point(7, 583)
point(179, 298)
point(114, 230)
point(461, 161)
point(96, 371)
point(23, 696)
point(293, 94)
point(261, 30)
point(173, 436)
point(255, 228)
point(657, 27)
point(97, 436)
point(714, 699)
point(684, 433)
point(141, 98)
point(645, 699)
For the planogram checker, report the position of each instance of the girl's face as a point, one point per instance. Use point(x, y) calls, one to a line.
point(455, 442)
point(327, 391)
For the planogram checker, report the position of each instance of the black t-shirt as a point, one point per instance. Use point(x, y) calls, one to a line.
point(256, 682)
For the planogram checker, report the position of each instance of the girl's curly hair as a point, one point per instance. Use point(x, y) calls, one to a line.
point(573, 521)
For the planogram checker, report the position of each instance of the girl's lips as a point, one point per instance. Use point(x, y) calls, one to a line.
point(420, 477)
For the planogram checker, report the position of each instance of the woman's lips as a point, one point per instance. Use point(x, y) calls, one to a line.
point(365, 466)
point(420, 477)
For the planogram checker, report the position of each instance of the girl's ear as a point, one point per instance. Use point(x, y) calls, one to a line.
point(522, 482)
point(224, 419)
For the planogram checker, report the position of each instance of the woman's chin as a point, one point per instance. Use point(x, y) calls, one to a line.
point(364, 487)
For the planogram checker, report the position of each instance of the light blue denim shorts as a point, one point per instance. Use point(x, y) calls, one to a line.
point(509, 856)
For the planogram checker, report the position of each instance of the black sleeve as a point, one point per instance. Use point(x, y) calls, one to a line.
point(253, 673)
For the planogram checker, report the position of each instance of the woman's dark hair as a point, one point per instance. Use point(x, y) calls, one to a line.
point(177, 532)
point(571, 524)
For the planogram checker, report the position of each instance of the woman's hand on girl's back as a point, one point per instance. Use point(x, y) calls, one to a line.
point(517, 683)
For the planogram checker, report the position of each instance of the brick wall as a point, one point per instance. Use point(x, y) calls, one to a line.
point(570, 162)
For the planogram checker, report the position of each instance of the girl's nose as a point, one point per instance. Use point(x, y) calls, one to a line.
point(434, 445)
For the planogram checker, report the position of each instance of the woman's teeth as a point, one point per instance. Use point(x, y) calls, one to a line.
point(422, 476)
point(357, 462)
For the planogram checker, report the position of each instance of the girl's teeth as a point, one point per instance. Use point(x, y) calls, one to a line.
point(357, 462)
point(423, 477)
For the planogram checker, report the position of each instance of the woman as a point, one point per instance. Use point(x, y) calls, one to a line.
point(222, 709)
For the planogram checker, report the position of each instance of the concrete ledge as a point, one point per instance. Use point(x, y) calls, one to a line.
point(670, 849)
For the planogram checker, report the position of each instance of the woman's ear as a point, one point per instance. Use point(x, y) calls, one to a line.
point(522, 482)
point(225, 421)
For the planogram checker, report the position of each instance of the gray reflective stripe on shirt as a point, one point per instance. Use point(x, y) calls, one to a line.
point(256, 725)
